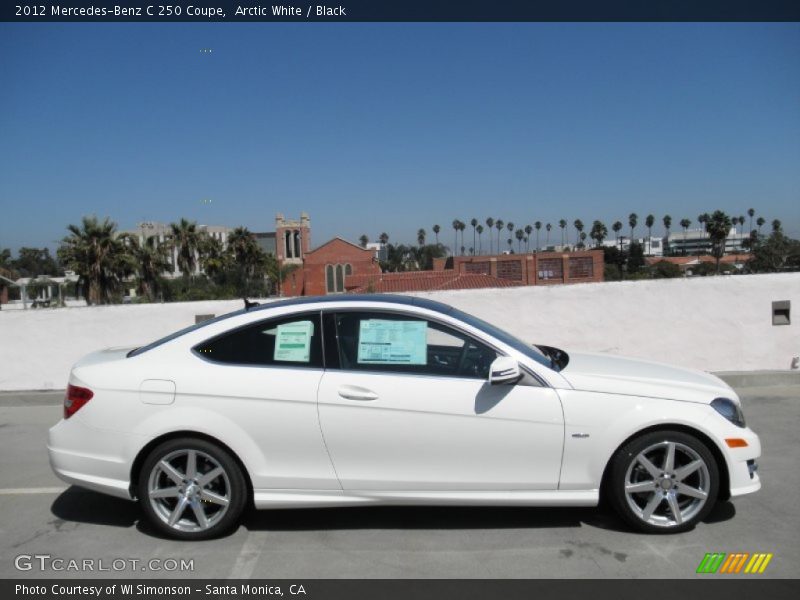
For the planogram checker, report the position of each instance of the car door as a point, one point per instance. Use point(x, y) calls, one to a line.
point(259, 383)
point(408, 407)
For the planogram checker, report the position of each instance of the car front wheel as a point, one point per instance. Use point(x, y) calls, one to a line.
point(191, 489)
point(663, 482)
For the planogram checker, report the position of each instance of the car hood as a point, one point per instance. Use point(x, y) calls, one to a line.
point(621, 375)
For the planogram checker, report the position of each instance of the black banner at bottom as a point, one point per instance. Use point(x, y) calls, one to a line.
point(384, 589)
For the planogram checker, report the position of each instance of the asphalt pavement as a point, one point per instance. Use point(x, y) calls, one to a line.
point(42, 517)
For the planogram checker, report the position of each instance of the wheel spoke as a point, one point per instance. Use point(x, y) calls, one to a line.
point(683, 472)
point(639, 487)
point(179, 508)
point(651, 468)
point(171, 472)
point(199, 514)
point(669, 457)
point(170, 492)
point(686, 490)
point(206, 478)
point(651, 506)
point(675, 509)
point(191, 464)
point(210, 496)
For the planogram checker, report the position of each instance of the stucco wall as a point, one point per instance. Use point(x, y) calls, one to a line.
point(713, 323)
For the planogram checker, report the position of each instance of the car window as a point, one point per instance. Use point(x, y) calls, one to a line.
point(291, 341)
point(391, 342)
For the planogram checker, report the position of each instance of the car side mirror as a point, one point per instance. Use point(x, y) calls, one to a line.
point(504, 370)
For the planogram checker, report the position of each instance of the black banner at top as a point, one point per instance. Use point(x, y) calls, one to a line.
point(150, 11)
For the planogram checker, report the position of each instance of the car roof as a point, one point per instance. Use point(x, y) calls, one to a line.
point(355, 298)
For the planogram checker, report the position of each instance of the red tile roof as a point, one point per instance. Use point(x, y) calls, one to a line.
point(423, 281)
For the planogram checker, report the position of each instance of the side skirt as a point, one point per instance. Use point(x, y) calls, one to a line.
point(322, 498)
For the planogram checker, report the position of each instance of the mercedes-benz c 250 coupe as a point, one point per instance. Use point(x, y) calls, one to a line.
point(358, 400)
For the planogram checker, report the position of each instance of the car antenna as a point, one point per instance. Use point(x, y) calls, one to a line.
point(248, 305)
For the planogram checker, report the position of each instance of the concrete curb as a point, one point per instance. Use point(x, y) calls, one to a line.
point(745, 379)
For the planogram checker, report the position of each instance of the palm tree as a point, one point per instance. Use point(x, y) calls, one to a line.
point(214, 260)
point(578, 224)
point(751, 212)
point(474, 223)
point(364, 240)
point(510, 245)
point(461, 227)
point(421, 237)
point(617, 227)
point(455, 224)
point(582, 238)
point(248, 258)
point(599, 232)
point(562, 223)
point(632, 220)
point(519, 234)
point(741, 222)
point(718, 226)
point(776, 226)
point(510, 227)
point(150, 260)
point(479, 229)
point(703, 220)
point(537, 226)
point(648, 222)
point(97, 256)
point(185, 239)
point(547, 227)
point(489, 225)
point(760, 223)
point(667, 220)
point(499, 226)
point(383, 238)
point(528, 231)
point(436, 230)
point(685, 223)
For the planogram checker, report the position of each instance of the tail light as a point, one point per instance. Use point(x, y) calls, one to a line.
point(75, 397)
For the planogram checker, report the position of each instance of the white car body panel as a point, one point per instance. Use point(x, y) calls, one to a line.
point(423, 439)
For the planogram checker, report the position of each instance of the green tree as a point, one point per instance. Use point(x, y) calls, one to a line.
point(563, 224)
point(599, 232)
point(185, 238)
point(775, 254)
point(213, 258)
point(760, 223)
point(617, 227)
point(664, 269)
point(667, 220)
point(436, 230)
point(489, 225)
point(150, 262)
point(479, 229)
point(718, 226)
point(777, 226)
point(474, 223)
point(499, 226)
point(528, 231)
point(751, 212)
point(32, 262)
point(633, 219)
point(94, 252)
point(456, 225)
point(249, 262)
point(421, 237)
point(461, 227)
point(537, 226)
point(635, 257)
point(520, 235)
point(363, 240)
point(547, 228)
point(649, 221)
point(383, 238)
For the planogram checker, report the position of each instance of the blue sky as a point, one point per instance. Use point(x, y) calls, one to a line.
point(392, 127)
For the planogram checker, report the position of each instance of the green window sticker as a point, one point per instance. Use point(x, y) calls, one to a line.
point(293, 341)
point(392, 342)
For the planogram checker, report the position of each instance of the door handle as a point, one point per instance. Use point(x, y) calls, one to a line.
point(351, 392)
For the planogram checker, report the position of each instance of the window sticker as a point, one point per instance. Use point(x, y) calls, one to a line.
point(392, 342)
point(293, 341)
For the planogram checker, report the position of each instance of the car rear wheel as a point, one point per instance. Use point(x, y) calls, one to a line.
point(191, 489)
point(663, 482)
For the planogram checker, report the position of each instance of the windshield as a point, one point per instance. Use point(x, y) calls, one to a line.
point(527, 349)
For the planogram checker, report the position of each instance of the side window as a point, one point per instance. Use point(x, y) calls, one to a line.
point(390, 342)
point(290, 342)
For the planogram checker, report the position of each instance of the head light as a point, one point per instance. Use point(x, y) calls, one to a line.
point(730, 410)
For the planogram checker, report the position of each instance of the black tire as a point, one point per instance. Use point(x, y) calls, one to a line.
point(626, 468)
point(194, 493)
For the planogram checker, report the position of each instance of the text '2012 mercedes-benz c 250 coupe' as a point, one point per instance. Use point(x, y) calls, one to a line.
point(358, 400)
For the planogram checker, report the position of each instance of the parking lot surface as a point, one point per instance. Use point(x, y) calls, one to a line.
point(43, 516)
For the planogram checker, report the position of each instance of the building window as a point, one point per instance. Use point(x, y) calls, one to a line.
point(551, 268)
point(581, 267)
point(348, 269)
point(339, 278)
point(509, 269)
point(334, 277)
point(329, 283)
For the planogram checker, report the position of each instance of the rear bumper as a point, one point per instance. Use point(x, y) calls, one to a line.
point(89, 458)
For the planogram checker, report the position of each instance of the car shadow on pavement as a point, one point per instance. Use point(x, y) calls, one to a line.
point(85, 506)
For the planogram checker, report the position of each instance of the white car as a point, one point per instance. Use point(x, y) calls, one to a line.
point(357, 400)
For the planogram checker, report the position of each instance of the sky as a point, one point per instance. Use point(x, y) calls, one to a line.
point(392, 127)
